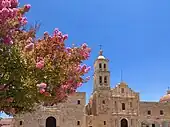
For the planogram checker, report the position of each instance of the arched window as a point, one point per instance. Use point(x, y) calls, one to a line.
point(78, 102)
point(100, 79)
point(105, 79)
point(100, 65)
point(78, 122)
point(104, 66)
point(104, 122)
point(123, 106)
point(124, 123)
point(50, 122)
point(20, 122)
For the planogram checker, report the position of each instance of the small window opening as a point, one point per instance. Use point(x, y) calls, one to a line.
point(104, 122)
point(100, 79)
point(78, 122)
point(78, 102)
point(161, 112)
point(123, 106)
point(104, 66)
point(104, 102)
point(100, 65)
point(149, 112)
point(105, 79)
point(20, 122)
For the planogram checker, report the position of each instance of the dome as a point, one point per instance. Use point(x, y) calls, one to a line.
point(122, 84)
point(166, 98)
point(101, 57)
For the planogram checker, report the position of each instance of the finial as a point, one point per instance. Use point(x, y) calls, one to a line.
point(101, 51)
point(121, 76)
point(168, 91)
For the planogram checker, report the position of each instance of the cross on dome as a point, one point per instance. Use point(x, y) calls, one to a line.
point(101, 53)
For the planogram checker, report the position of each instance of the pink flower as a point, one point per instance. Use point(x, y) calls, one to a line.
point(65, 37)
point(56, 30)
point(83, 68)
point(42, 85)
point(6, 3)
point(24, 21)
point(29, 47)
point(88, 78)
point(27, 7)
point(64, 87)
point(42, 91)
point(7, 40)
point(84, 45)
point(79, 84)
point(40, 64)
point(47, 94)
point(68, 49)
point(5, 12)
point(87, 69)
point(14, 3)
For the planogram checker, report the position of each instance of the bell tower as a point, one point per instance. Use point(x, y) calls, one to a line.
point(101, 73)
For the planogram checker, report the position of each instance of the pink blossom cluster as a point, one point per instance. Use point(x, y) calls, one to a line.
point(30, 44)
point(40, 63)
point(53, 50)
point(61, 37)
point(85, 51)
point(9, 11)
point(83, 69)
point(42, 87)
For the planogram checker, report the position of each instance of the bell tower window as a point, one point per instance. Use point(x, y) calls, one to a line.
point(100, 79)
point(105, 79)
point(104, 66)
point(100, 66)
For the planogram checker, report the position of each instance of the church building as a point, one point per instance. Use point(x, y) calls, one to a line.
point(107, 107)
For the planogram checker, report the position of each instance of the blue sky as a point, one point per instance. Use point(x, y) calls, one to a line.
point(135, 35)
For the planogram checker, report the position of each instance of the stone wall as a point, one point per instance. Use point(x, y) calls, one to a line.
point(70, 113)
point(154, 113)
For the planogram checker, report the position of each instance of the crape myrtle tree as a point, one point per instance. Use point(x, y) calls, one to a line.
point(35, 71)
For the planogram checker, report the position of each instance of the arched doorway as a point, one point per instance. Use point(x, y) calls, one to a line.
point(50, 122)
point(124, 123)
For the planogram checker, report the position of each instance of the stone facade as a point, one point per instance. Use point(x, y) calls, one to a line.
point(107, 107)
point(6, 122)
